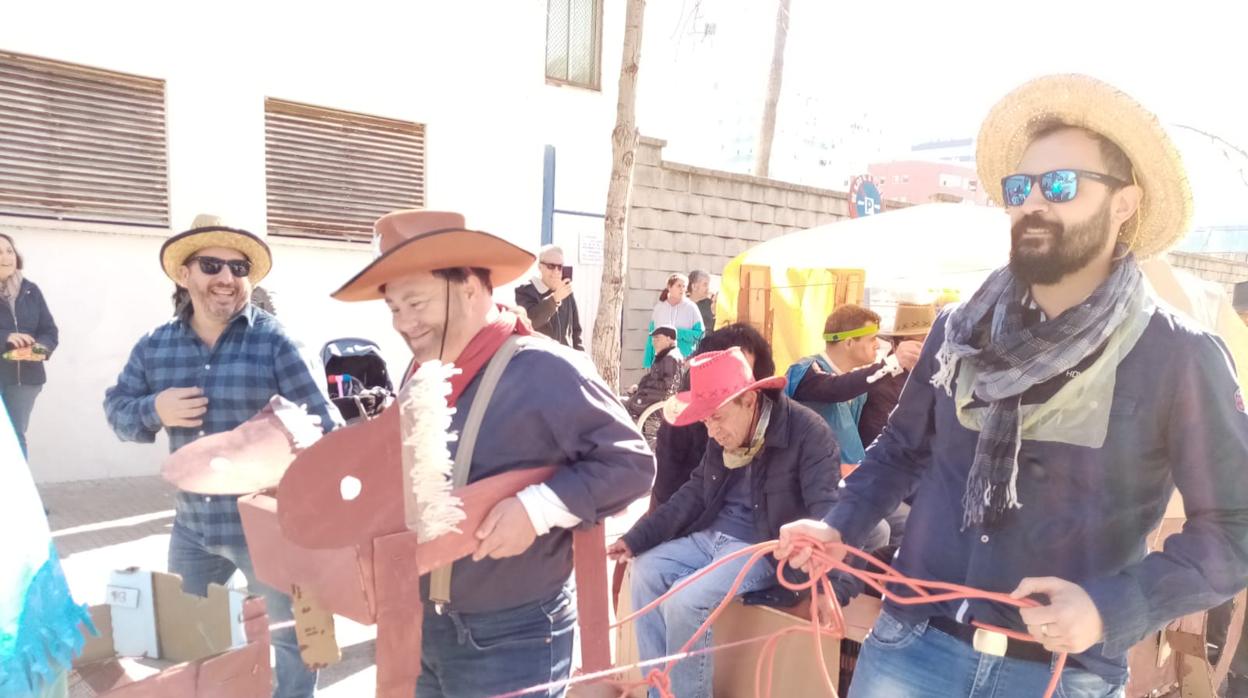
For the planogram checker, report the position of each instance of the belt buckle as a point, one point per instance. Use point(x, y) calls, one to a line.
point(990, 642)
point(439, 608)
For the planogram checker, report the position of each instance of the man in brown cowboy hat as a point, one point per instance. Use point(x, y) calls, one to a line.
point(910, 326)
point(1049, 420)
point(770, 461)
point(503, 620)
point(208, 370)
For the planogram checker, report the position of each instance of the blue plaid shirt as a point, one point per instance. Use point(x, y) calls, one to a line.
point(253, 360)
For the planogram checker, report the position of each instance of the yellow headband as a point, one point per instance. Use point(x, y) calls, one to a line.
point(864, 331)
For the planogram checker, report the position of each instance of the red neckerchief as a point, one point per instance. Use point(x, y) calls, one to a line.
point(480, 350)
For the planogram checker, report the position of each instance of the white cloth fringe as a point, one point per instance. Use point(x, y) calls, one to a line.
point(427, 434)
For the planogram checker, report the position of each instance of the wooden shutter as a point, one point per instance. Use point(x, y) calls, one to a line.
point(78, 143)
point(754, 299)
point(330, 173)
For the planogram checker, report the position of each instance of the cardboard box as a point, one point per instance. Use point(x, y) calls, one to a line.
point(157, 641)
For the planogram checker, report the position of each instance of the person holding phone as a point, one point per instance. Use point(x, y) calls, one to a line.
point(547, 299)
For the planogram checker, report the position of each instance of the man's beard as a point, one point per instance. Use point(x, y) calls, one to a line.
point(1070, 248)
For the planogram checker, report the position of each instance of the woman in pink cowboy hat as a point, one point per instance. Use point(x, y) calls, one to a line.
point(770, 461)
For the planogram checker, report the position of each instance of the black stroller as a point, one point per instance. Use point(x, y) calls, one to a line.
point(359, 384)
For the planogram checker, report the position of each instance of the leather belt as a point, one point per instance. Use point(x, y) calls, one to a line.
point(994, 643)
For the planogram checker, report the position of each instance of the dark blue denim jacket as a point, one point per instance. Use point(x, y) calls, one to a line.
point(1177, 420)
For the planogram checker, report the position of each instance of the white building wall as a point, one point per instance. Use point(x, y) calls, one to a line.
point(471, 71)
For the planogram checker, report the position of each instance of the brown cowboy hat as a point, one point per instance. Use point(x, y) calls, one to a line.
point(912, 320)
point(417, 240)
point(1078, 100)
point(715, 378)
point(209, 231)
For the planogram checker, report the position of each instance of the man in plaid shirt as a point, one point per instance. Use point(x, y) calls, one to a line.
point(209, 369)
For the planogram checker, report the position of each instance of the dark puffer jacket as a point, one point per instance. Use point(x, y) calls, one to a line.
point(795, 477)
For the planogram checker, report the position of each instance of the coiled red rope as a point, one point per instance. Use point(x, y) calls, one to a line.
point(824, 559)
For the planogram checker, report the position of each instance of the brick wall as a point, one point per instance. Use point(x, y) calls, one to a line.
point(683, 218)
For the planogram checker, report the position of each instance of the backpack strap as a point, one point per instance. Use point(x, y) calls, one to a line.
point(440, 578)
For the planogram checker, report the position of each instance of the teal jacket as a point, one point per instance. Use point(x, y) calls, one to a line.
point(686, 341)
point(841, 416)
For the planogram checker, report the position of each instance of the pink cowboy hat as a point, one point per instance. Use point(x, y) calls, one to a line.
point(715, 377)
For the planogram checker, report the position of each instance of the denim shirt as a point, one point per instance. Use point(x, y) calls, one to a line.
point(1176, 420)
point(253, 360)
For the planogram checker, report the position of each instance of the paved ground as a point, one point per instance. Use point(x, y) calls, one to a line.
point(103, 525)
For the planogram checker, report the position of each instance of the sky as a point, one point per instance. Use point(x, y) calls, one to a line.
point(880, 77)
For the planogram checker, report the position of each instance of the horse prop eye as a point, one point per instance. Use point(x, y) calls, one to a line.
point(350, 488)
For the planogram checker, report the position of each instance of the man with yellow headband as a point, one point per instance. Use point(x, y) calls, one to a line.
point(835, 383)
point(1048, 422)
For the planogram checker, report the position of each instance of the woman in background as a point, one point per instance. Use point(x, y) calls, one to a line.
point(674, 309)
point(30, 334)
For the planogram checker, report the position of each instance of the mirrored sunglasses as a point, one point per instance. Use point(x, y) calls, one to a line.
point(1057, 186)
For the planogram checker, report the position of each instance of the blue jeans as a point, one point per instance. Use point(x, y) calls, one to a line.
point(476, 655)
point(19, 400)
point(899, 660)
point(666, 629)
point(201, 565)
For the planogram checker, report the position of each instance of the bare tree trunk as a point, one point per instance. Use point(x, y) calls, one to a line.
point(766, 133)
point(606, 344)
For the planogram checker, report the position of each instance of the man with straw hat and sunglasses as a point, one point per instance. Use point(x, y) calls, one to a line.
point(206, 371)
point(1048, 422)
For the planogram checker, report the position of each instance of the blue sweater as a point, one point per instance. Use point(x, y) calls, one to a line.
point(549, 408)
point(1176, 419)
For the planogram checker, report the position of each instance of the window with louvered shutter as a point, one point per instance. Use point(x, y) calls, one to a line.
point(81, 144)
point(331, 173)
point(573, 42)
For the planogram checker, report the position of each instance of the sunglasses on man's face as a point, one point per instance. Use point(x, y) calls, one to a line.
point(1057, 186)
point(212, 266)
point(553, 267)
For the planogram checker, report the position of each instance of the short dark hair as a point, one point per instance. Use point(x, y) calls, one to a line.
point(460, 274)
point(20, 263)
point(739, 334)
point(1117, 164)
point(850, 317)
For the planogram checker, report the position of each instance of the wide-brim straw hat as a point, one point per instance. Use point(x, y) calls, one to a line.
point(1078, 100)
point(715, 379)
point(416, 240)
point(210, 231)
point(911, 320)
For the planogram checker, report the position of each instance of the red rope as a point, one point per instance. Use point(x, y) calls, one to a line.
point(821, 562)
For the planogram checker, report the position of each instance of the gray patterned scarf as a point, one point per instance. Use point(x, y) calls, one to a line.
point(1011, 358)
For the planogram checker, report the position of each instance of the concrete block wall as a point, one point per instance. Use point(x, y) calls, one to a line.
point(683, 218)
point(1227, 269)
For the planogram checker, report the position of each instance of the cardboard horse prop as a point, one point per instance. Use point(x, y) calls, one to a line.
point(337, 535)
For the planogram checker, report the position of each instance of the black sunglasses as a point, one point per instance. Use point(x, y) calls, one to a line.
point(552, 267)
point(1057, 186)
point(212, 266)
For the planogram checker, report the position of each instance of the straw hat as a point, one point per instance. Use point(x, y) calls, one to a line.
point(416, 240)
point(715, 378)
point(209, 231)
point(912, 320)
point(1078, 100)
